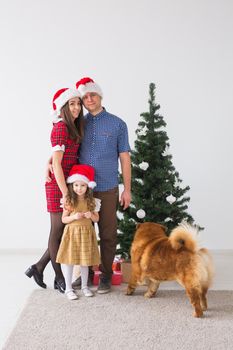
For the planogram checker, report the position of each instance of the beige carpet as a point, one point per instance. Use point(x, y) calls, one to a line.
point(115, 321)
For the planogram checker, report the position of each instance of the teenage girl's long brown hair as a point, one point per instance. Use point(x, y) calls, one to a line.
point(72, 199)
point(76, 128)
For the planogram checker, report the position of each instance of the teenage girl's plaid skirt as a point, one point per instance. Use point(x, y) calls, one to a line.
point(53, 197)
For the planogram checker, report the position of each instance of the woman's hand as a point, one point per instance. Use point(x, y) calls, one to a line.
point(49, 171)
point(63, 201)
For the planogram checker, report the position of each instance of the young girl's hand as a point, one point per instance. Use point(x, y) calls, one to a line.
point(78, 216)
point(87, 215)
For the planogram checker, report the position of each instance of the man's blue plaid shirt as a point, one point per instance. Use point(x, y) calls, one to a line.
point(105, 137)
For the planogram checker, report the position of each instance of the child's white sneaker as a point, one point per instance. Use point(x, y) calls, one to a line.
point(87, 292)
point(71, 295)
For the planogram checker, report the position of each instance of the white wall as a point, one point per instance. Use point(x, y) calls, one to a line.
point(185, 47)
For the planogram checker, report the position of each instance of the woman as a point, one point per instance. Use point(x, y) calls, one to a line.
point(66, 135)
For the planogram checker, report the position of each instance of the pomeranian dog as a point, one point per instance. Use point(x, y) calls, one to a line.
point(156, 258)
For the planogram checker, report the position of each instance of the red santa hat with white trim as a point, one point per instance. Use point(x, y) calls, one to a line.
point(82, 172)
point(61, 97)
point(86, 85)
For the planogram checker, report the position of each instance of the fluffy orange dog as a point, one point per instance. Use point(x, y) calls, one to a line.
point(156, 258)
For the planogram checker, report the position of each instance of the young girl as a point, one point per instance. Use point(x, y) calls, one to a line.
point(66, 136)
point(79, 244)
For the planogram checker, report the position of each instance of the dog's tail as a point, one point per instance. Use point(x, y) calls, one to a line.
point(185, 235)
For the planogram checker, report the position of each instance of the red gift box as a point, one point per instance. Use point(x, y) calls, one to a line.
point(116, 278)
point(116, 266)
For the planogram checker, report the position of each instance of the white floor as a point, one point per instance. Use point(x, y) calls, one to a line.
point(16, 287)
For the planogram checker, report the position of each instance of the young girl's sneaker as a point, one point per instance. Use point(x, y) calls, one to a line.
point(87, 292)
point(71, 295)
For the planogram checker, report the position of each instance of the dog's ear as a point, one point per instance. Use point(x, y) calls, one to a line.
point(138, 225)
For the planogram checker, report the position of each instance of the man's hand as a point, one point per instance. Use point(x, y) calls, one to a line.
point(125, 199)
point(48, 172)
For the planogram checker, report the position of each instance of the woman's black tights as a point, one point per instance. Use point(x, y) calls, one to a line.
point(54, 241)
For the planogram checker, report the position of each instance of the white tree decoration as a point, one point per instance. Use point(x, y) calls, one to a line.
point(170, 199)
point(141, 213)
point(143, 165)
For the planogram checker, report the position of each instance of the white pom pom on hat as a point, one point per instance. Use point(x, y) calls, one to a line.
point(86, 85)
point(61, 97)
point(82, 172)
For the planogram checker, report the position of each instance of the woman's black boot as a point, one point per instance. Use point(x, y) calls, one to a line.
point(38, 277)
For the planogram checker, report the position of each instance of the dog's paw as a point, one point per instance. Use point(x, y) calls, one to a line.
point(198, 313)
point(149, 295)
point(129, 291)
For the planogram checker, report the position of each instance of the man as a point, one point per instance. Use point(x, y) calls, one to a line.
point(105, 141)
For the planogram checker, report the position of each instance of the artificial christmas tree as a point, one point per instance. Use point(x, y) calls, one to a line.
point(157, 194)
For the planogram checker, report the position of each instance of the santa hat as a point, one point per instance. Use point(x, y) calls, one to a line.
point(82, 172)
point(85, 85)
point(61, 97)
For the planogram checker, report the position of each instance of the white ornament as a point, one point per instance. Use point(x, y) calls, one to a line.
point(141, 213)
point(170, 199)
point(168, 219)
point(143, 165)
point(140, 181)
